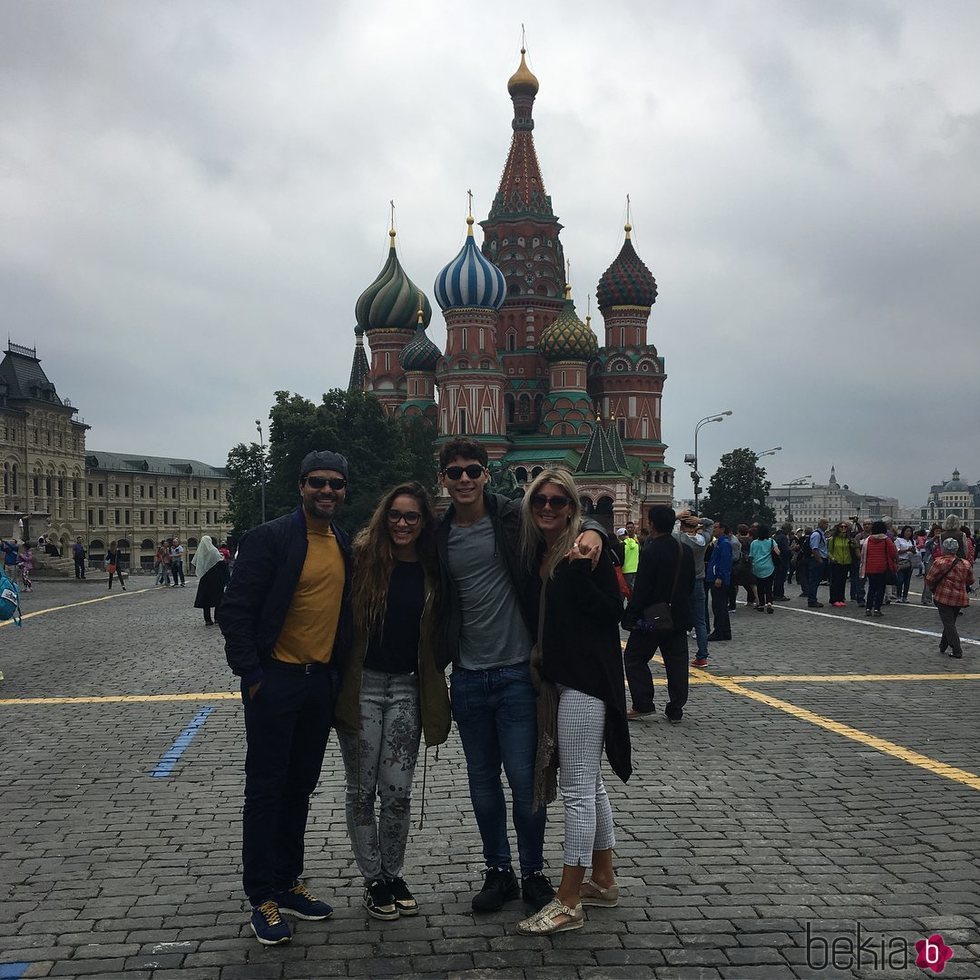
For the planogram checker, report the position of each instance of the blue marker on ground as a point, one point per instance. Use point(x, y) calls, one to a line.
point(170, 758)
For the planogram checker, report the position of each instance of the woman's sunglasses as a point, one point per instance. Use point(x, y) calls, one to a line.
point(558, 502)
point(319, 482)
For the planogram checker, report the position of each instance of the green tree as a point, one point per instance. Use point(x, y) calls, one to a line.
point(738, 490)
point(381, 451)
point(245, 494)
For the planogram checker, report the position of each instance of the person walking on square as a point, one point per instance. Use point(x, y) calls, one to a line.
point(78, 553)
point(763, 554)
point(177, 562)
point(487, 638)
point(665, 577)
point(689, 534)
point(949, 578)
point(578, 668)
point(212, 577)
point(816, 566)
point(392, 692)
point(840, 551)
point(163, 563)
point(718, 573)
point(25, 561)
point(906, 551)
point(631, 554)
point(113, 566)
point(782, 541)
point(287, 625)
point(878, 558)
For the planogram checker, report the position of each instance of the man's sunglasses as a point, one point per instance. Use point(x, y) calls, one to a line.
point(410, 517)
point(558, 502)
point(319, 482)
point(473, 471)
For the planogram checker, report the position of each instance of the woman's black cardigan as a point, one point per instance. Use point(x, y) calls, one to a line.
point(582, 647)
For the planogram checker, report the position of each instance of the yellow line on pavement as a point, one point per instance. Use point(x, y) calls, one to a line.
point(71, 605)
point(123, 698)
point(842, 678)
point(882, 745)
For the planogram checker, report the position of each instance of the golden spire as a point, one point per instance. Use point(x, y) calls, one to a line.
point(420, 318)
point(523, 81)
point(469, 216)
point(568, 279)
point(391, 231)
point(628, 227)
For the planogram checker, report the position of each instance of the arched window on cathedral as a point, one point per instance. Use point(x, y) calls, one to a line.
point(512, 340)
point(509, 404)
point(525, 406)
point(520, 474)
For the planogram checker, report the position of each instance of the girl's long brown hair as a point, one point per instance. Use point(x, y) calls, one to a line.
point(374, 558)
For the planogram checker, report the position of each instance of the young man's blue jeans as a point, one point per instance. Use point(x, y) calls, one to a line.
point(496, 714)
point(698, 614)
point(814, 573)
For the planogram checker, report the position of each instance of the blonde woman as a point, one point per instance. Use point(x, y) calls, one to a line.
point(581, 663)
point(392, 692)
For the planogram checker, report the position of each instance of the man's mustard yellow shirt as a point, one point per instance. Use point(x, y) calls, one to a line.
point(311, 623)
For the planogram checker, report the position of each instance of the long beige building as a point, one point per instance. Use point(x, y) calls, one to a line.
point(56, 489)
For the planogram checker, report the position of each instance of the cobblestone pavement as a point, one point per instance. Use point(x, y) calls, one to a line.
point(751, 837)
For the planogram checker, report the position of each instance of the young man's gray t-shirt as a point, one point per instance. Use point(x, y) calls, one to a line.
point(493, 630)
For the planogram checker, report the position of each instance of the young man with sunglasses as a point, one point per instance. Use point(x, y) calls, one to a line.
point(286, 620)
point(488, 634)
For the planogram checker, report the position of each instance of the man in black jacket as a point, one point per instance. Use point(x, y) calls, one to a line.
point(665, 574)
point(488, 634)
point(287, 624)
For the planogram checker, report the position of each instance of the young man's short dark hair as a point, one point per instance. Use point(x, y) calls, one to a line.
point(462, 449)
point(662, 518)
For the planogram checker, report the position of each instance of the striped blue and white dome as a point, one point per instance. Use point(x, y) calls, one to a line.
point(470, 280)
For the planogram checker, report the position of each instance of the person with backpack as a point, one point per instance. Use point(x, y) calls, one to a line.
point(817, 562)
point(949, 578)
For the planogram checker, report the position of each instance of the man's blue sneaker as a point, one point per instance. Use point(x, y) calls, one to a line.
point(300, 902)
point(268, 924)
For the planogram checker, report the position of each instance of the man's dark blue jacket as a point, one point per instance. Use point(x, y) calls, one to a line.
point(253, 610)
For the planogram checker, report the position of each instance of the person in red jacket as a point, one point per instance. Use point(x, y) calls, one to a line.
point(949, 577)
point(878, 557)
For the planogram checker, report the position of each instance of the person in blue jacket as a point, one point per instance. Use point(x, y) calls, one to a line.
point(719, 574)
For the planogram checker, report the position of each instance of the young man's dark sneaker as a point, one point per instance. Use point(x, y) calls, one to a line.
point(301, 903)
point(268, 925)
point(536, 890)
point(499, 886)
point(379, 901)
point(634, 715)
point(404, 899)
point(815, 605)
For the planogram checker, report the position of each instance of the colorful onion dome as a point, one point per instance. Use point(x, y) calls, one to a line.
point(391, 300)
point(627, 282)
point(523, 81)
point(470, 280)
point(419, 354)
point(568, 338)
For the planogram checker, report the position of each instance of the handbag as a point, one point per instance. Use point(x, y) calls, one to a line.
point(624, 588)
point(112, 569)
point(657, 615)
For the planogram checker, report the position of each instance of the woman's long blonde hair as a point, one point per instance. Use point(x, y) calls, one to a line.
point(374, 557)
point(531, 536)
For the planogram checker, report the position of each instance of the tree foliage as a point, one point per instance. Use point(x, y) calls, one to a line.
point(245, 494)
point(381, 451)
point(738, 490)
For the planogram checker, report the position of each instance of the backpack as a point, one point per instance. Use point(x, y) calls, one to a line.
point(9, 600)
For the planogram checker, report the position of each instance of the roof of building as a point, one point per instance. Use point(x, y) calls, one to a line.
point(420, 353)
point(392, 300)
point(568, 457)
point(599, 456)
point(24, 378)
point(627, 282)
point(470, 280)
point(360, 368)
point(96, 459)
point(567, 338)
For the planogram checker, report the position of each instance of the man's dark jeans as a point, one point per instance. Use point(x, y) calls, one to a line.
point(640, 648)
point(814, 573)
point(857, 583)
point(722, 629)
point(496, 714)
point(286, 725)
point(779, 578)
point(79, 568)
point(177, 569)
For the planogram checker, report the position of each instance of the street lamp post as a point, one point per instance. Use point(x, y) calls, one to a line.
point(258, 426)
point(769, 452)
point(696, 475)
point(798, 482)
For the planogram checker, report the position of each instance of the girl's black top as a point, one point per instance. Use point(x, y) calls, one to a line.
point(395, 648)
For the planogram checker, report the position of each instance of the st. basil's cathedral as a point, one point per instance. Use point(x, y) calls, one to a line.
point(522, 374)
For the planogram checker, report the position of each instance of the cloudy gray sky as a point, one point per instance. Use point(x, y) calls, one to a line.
point(193, 195)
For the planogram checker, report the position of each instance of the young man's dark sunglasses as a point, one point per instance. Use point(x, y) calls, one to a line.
point(557, 502)
point(473, 471)
point(319, 482)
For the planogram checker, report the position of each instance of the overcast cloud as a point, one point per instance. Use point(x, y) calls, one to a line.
point(193, 195)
